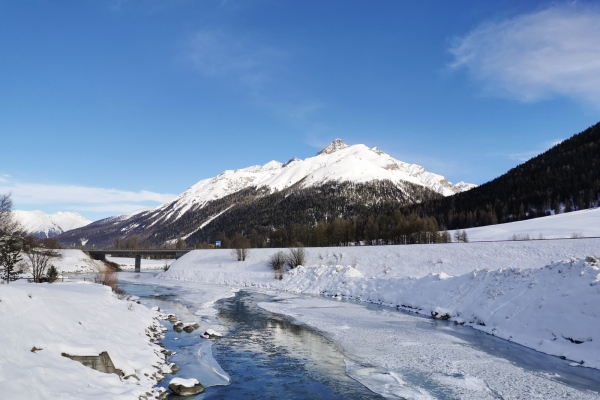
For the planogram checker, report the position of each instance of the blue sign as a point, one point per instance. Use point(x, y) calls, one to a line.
point(218, 243)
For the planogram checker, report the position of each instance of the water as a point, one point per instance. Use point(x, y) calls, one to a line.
point(264, 355)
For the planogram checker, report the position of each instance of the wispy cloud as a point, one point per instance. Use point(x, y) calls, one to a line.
point(529, 154)
point(80, 198)
point(534, 56)
point(222, 54)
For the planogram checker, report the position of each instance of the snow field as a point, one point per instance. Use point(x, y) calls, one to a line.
point(82, 319)
point(584, 223)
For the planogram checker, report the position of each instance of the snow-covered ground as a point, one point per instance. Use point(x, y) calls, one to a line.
point(583, 223)
point(510, 289)
point(76, 261)
point(79, 319)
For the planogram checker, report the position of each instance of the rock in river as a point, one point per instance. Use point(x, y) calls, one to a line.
point(186, 387)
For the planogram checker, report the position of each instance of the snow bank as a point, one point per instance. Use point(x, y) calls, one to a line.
point(76, 261)
point(219, 266)
point(509, 289)
point(80, 319)
point(581, 223)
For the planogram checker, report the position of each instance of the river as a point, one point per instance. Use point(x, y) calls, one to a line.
point(268, 355)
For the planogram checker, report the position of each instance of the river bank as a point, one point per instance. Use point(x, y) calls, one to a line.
point(44, 328)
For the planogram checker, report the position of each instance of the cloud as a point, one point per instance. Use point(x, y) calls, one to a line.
point(529, 154)
point(220, 54)
point(81, 198)
point(535, 56)
point(4, 178)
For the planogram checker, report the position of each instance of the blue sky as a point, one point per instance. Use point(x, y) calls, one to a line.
point(111, 106)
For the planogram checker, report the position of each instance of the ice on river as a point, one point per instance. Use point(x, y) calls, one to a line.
point(400, 356)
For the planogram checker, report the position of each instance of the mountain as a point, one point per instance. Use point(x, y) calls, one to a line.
point(562, 179)
point(340, 181)
point(44, 225)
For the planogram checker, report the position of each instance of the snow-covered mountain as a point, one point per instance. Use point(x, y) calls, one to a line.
point(45, 225)
point(340, 181)
point(336, 162)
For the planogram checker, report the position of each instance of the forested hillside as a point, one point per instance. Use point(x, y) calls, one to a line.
point(563, 179)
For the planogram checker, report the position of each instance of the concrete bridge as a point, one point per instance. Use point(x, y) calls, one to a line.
point(137, 253)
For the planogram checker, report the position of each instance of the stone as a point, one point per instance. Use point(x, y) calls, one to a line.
point(436, 315)
point(186, 387)
point(191, 327)
point(174, 368)
point(172, 318)
point(178, 326)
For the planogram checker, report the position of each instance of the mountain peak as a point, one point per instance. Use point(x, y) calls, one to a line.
point(337, 144)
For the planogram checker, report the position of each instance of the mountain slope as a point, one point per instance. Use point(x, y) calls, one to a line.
point(340, 181)
point(564, 178)
point(337, 162)
point(44, 225)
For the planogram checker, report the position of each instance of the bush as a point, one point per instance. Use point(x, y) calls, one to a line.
point(52, 274)
point(296, 257)
point(107, 276)
point(277, 260)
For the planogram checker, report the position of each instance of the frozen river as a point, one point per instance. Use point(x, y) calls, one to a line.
point(289, 346)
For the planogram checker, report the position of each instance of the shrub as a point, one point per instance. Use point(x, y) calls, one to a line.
point(107, 276)
point(277, 260)
point(52, 274)
point(296, 257)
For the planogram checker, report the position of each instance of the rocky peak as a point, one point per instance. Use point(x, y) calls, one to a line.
point(291, 161)
point(337, 144)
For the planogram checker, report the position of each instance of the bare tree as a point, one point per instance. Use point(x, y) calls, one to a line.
point(39, 259)
point(180, 245)
point(241, 247)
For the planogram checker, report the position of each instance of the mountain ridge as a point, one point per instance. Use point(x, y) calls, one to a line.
point(361, 172)
point(43, 225)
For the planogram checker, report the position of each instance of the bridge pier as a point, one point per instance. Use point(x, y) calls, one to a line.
point(138, 263)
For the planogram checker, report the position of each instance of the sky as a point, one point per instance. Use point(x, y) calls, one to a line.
point(107, 107)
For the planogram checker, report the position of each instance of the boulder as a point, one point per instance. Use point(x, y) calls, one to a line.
point(186, 387)
point(178, 326)
point(172, 318)
point(191, 327)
